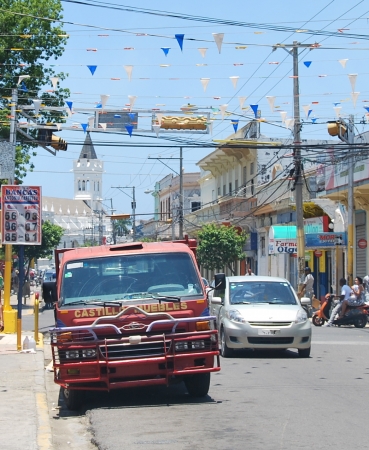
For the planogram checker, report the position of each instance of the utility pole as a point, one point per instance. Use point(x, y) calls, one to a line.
point(350, 202)
point(133, 205)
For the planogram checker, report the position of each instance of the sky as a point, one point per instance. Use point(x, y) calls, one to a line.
point(110, 39)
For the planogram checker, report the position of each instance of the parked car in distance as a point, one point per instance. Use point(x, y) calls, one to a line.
point(260, 313)
point(49, 287)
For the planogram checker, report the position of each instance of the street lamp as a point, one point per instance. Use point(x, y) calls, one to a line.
point(133, 205)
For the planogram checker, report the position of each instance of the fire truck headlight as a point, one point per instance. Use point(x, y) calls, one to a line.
point(181, 346)
point(72, 354)
point(89, 353)
point(197, 345)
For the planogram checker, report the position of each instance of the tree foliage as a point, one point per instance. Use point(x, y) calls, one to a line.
point(51, 237)
point(28, 45)
point(220, 246)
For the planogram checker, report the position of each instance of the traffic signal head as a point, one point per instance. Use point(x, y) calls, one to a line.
point(46, 137)
point(337, 128)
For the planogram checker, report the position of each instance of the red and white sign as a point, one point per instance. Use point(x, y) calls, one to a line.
point(362, 243)
point(318, 253)
point(21, 215)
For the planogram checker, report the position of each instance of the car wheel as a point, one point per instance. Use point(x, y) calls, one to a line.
point(198, 385)
point(360, 322)
point(225, 351)
point(304, 352)
point(318, 321)
point(73, 399)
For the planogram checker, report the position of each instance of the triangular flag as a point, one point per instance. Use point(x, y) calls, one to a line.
point(306, 109)
point(129, 69)
point(337, 110)
point(242, 101)
point(156, 128)
point(354, 96)
point(202, 51)
point(22, 77)
point(343, 62)
point(255, 109)
point(210, 128)
point(289, 123)
point(165, 50)
point(159, 116)
point(23, 87)
point(129, 128)
point(103, 126)
point(132, 116)
point(58, 126)
point(313, 120)
point(309, 112)
point(91, 122)
point(367, 118)
point(271, 101)
point(204, 82)
point(352, 78)
point(234, 81)
point(54, 81)
point(223, 109)
point(180, 38)
point(98, 105)
point(367, 108)
point(218, 38)
point(70, 105)
point(104, 99)
point(283, 115)
point(307, 63)
point(84, 126)
point(92, 69)
point(36, 104)
point(132, 99)
point(336, 103)
point(235, 125)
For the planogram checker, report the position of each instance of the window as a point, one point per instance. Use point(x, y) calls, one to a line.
point(79, 185)
point(83, 185)
point(230, 188)
point(195, 206)
point(252, 168)
point(244, 175)
point(224, 190)
point(236, 186)
point(219, 191)
point(262, 245)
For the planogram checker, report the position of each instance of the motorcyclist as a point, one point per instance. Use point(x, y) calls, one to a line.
point(345, 294)
point(357, 297)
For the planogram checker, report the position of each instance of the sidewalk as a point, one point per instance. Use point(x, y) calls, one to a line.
point(24, 417)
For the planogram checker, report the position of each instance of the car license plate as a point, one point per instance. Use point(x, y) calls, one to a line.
point(264, 332)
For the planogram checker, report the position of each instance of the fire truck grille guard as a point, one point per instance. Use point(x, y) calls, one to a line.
point(142, 350)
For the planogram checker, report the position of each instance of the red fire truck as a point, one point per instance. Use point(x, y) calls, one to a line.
point(131, 315)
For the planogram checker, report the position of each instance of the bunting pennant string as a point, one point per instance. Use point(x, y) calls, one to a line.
point(271, 101)
point(156, 128)
point(104, 98)
point(91, 122)
point(36, 104)
point(159, 116)
point(70, 105)
point(132, 116)
point(204, 82)
point(352, 78)
point(367, 108)
point(234, 81)
point(218, 38)
point(354, 96)
point(132, 99)
point(309, 112)
point(313, 120)
point(283, 115)
point(223, 109)
point(22, 77)
point(255, 109)
point(242, 101)
point(129, 128)
point(128, 70)
point(58, 126)
point(54, 81)
point(289, 123)
point(235, 125)
point(92, 69)
point(84, 126)
point(202, 51)
point(306, 109)
point(337, 110)
point(103, 126)
point(307, 63)
point(343, 62)
point(180, 38)
point(165, 50)
point(23, 87)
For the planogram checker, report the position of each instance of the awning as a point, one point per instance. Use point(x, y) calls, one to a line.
point(282, 232)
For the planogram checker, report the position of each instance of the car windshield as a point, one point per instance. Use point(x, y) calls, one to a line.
point(251, 292)
point(130, 279)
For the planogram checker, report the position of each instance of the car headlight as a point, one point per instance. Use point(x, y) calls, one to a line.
point(301, 316)
point(235, 316)
point(181, 346)
point(72, 354)
point(89, 353)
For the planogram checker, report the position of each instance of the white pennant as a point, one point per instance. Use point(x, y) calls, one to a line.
point(218, 38)
point(156, 128)
point(367, 118)
point(22, 77)
point(132, 99)
point(58, 126)
point(343, 62)
point(352, 78)
point(91, 122)
point(104, 99)
point(210, 127)
point(204, 82)
point(103, 126)
point(271, 101)
point(354, 96)
point(242, 101)
point(54, 81)
point(234, 81)
point(159, 116)
point(223, 109)
point(36, 104)
point(306, 109)
point(289, 123)
point(129, 69)
point(337, 110)
point(283, 115)
point(202, 51)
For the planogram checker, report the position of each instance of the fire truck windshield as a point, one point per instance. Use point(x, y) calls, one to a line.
point(126, 278)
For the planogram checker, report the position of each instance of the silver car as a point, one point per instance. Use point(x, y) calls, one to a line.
point(261, 313)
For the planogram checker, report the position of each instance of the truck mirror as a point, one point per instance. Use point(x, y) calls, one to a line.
point(220, 281)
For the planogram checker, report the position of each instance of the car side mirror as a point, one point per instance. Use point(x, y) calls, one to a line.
point(305, 301)
point(220, 281)
point(216, 301)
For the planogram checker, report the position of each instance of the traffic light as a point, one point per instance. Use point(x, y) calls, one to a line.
point(338, 128)
point(46, 137)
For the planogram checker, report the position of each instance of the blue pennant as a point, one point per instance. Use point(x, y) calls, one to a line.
point(255, 109)
point(180, 38)
point(309, 112)
point(129, 128)
point(84, 126)
point(23, 87)
point(367, 108)
point(132, 116)
point(92, 69)
point(314, 119)
point(307, 63)
point(235, 125)
point(70, 105)
point(166, 50)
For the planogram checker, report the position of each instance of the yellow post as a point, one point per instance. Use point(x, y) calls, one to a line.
point(10, 314)
point(36, 309)
point(19, 335)
point(350, 254)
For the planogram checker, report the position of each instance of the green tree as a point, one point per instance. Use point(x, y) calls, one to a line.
point(121, 226)
point(27, 43)
point(220, 246)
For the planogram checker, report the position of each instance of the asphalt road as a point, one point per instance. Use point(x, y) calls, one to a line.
point(259, 400)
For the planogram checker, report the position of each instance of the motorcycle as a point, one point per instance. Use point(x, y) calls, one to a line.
point(355, 315)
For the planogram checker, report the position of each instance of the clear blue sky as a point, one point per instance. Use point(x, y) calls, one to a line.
point(322, 85)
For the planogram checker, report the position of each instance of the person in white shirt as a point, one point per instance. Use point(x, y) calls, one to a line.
point(345, 294)
point(249, 272)
point(308, 286)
